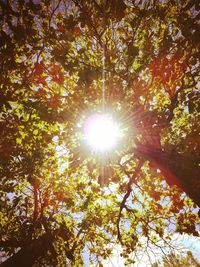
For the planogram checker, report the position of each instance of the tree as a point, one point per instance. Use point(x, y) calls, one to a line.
point(177, 260)
point(57, 200)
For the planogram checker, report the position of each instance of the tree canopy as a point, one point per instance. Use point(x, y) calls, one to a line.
point(64, 60)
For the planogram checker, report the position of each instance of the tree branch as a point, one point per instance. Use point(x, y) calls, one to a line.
point(126, 196)
point(35, 193)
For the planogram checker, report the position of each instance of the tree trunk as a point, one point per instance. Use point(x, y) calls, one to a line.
point(26, 256)
point(178, 169)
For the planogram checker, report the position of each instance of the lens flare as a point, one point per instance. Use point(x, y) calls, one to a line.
point(101, 132)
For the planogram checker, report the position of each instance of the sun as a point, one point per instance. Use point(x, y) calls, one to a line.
point(101, 132)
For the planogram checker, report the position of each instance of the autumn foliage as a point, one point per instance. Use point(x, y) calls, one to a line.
point(61, 61)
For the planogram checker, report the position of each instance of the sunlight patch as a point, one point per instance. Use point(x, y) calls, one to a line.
point(101, 132)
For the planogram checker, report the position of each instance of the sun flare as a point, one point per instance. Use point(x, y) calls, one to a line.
point(101, 132)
